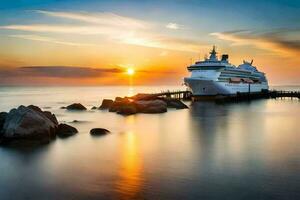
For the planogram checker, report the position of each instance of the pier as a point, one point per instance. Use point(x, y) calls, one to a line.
point(268, 94)
point(181, 95)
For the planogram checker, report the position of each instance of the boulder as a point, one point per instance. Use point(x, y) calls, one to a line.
point(3, 116)
point(65, 130)
point(128, 109)
point(29, 124)
point(99, 131)
point(76, 106)
point(106, 104)
point(144, 96)
point(94, 108)
point(175, 103)
point(153, 106)
point(118, 104)
point(48, 114)
point(119, 99)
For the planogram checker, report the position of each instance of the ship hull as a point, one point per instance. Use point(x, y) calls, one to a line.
point(201, 87)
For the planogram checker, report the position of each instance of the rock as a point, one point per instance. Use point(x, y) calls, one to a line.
point(29, 124)
point(175, 103)
point(153, 106)
point(99, 131)
point(118, 104)
point(48, 114)
point(119, 99)
point(63, 107)
point(3, 116)
point(76, 106)
point(127, 109)
point(106, 104)
point(94, 108)
point(65, 130)
point(143, 96)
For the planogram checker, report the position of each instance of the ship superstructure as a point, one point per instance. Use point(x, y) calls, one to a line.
point(214, 76)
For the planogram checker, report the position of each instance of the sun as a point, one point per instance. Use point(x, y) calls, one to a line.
point(130, 71)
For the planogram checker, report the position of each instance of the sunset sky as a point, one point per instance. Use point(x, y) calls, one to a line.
point(64, 42)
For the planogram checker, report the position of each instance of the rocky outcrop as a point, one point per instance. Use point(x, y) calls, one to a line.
point(106, 104)
point(127, 109)
point(29, 124)
point(128, 106)
point(144, 97)
point(153, 106)
point(65, 130)
point(76, 106)
point(117, 105)
point(99, 131)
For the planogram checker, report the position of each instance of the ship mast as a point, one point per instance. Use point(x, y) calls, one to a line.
point(213, 54)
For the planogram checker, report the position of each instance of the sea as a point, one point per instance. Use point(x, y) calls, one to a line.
point(247, 150)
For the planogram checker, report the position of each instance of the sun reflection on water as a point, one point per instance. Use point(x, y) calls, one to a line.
point(130, 179)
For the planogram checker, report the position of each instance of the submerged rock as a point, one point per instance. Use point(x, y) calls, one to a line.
point(29, 124)
point(106, 104)
point(99, 131)
point(65, 130)
point(76, 106)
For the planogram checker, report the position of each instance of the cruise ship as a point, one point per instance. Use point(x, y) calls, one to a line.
point(214, 76)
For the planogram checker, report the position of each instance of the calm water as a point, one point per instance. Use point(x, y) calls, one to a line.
point(234, 151)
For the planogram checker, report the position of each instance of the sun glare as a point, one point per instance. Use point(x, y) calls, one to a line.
point(130, 71)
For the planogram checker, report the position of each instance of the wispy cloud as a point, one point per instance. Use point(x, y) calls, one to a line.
point(275, 41)
point(173, 26)
point(104, 18)
point(114, 27)
point(49, 40)
point(74, 29)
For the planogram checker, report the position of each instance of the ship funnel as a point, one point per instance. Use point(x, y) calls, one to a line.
point(224, 57)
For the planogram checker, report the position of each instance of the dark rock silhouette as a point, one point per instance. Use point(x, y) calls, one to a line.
point(76, 106)
point(151, 106)
point(128, 109)
point(29, 124)
point(144, 103)
point(106, 104)
point(65, 130)
point(99, 131)
point(3, 116)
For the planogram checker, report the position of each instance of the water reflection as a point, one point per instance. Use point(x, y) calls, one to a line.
point(230, 137)
point(130, 180)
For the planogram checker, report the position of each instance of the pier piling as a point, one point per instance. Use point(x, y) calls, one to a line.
point(267, 94)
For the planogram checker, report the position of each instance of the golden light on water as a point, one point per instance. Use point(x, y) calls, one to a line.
point(130, 181)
